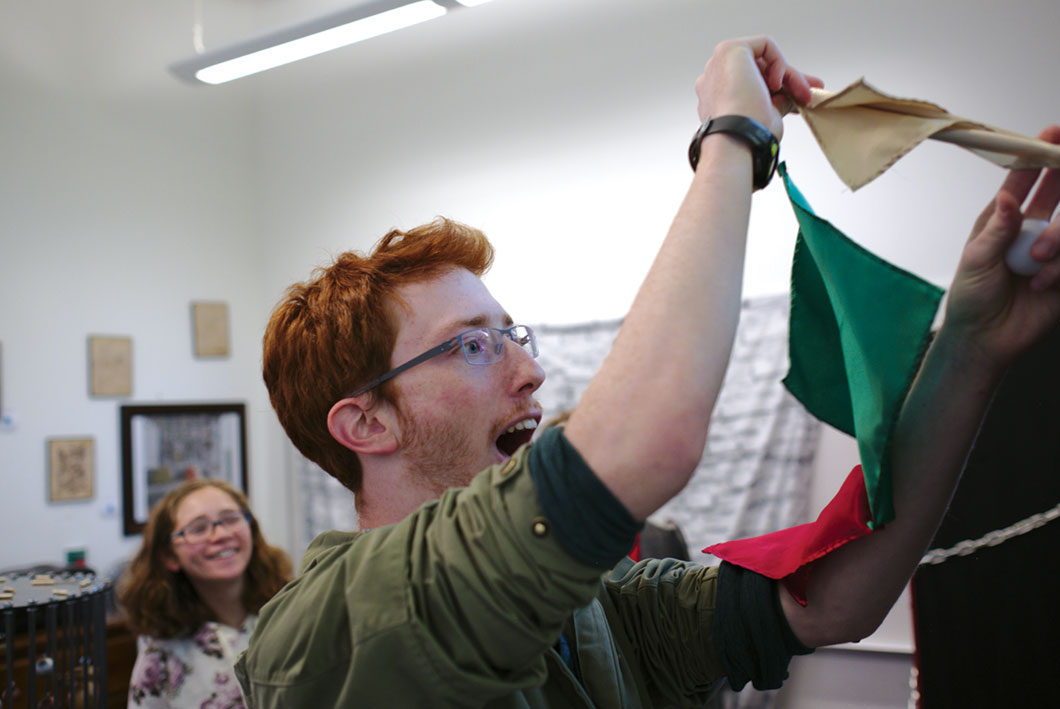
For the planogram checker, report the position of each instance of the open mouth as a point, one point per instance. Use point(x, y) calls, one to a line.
point(516, 435)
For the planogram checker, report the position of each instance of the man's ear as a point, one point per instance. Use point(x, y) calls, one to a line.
point(363, 425)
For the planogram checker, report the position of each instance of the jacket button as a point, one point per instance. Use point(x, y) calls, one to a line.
point(539, 527)
point(508, 468)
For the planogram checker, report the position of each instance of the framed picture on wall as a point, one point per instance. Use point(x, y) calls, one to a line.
point(71, 468)
point(165, 444)
point(110, 366)
point(210, 323)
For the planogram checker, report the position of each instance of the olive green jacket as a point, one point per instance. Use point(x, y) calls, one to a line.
point(460, 605)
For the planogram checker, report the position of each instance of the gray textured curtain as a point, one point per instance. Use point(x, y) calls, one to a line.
point(755, 473)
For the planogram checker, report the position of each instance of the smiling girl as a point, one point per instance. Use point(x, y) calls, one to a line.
point(192, 593)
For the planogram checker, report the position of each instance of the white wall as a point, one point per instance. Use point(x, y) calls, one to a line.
point(559, 127)
point(123, 197)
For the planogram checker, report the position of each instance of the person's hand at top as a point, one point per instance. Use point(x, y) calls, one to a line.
point(992, 310)
point(750, 77)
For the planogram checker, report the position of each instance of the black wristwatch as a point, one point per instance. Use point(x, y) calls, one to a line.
point(765, 150)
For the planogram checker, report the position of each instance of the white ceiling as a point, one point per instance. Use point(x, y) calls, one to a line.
point(126, 44)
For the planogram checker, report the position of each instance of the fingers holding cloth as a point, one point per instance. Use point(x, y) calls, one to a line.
point(750, 77)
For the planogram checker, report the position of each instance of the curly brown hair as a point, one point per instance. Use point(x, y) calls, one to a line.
point(337, 330)
point(163, 603)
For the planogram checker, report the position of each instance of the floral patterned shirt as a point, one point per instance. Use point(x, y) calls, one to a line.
point(190, 673)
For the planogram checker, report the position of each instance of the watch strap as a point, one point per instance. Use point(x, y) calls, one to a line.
point(765, 149)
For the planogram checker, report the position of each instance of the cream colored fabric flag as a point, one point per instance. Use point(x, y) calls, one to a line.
point(863, 131)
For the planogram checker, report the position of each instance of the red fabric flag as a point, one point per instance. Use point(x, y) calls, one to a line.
point(788, 554)
point(634, 553)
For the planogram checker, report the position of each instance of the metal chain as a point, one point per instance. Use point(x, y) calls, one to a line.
point(914, 688)
point(991, 539)
point(968, 547)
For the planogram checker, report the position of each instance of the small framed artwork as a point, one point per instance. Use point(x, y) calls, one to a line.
point(110, 366)
point(70, 469)
point(165, 444)
point(210, 322)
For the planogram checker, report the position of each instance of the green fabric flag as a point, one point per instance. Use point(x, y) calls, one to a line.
point(858, 330)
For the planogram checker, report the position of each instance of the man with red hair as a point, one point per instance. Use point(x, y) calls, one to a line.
point(488, 572)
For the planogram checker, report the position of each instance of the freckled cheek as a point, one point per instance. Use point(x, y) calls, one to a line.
point(466, 392)
point(472, 404)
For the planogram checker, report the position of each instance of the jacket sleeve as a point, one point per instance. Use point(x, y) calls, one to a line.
point(662, 612)
point(688, 626)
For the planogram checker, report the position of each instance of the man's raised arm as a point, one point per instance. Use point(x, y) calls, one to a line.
point(642, 423)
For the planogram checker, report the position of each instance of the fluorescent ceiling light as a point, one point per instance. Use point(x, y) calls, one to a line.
point(472, 3)
point(306, 40)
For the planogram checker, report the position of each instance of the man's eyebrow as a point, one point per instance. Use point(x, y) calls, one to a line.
point(481, 320)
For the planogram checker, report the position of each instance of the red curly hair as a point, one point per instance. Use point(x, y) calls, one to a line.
point(163, 603)
point(334, 332)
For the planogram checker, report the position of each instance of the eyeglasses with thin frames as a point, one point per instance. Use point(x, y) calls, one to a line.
point(480, 346)
point(202, 529)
